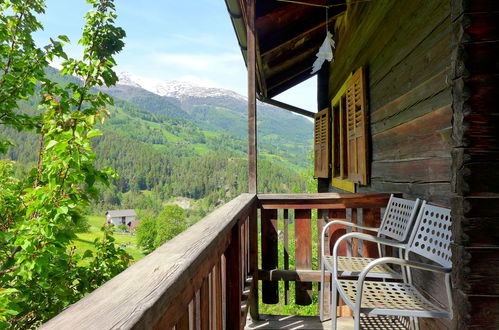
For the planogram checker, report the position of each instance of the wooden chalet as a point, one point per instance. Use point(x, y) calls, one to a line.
point(408, 106)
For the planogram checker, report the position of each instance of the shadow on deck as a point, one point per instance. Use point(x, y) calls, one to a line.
point(297, 322)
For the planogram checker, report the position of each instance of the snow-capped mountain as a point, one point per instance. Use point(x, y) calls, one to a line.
point(174, 88)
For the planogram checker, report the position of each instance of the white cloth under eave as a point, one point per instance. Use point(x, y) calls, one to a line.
point(325, 53)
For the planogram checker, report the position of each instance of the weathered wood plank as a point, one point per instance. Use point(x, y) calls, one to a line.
point(233, 280)
point(475, 229)
point(431, 131)
point(253, 247)
point(413, 170)
point(204, 304)
point(371, 218)
point(414, 69)
point(425, 98)
point(322, 200)
point(483, 269)
point(183, 323)
point(139, 296)
point(321, 222)
point(286, 253)
point(290, 275)
point(434, 192)
point(303, 254)
point(270, 294)
point(251, 62)
point(484, 312)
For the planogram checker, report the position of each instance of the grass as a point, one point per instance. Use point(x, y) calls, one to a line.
point(85, 241)
point(292, 308)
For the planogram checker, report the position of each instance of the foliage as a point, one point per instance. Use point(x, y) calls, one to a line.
point(39, 213)
point(123, 227)
point(153, 232)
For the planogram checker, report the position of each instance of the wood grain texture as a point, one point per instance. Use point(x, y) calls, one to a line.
point(292, 275)
point(322, 200)
point(475, 174)
point(270, 294)
point(253, 247)
point(138, 297)
point(422, 170)
point(303, 254)
point(426, 136)
point(233, 280)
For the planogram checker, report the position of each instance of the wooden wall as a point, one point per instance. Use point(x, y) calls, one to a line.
point(405, 48)
point(475, 159)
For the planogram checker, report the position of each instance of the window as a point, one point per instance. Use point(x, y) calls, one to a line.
point(321, 144)
point(348, 134)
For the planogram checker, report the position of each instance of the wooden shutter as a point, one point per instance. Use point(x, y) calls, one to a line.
point(357, 128)
point(321, 144)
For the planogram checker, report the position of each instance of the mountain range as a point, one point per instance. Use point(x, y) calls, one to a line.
point(176, 139)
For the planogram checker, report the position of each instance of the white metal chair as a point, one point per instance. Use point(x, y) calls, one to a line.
point(430, 239)
point(395, 227)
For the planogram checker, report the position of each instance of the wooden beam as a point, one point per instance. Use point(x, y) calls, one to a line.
point(288, 107)
point(291, 275)
point(270, 292)
point(303, 254)
point(323, 200)
point(252, 138)
point(233, 280)
point(253, 246)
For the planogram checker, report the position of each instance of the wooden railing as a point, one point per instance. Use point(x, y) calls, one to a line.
point(201, 279)
point(275, 230)
point(205, 278)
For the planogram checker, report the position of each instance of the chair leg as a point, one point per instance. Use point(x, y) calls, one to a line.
point(334, 302)
point(356, 319)
point(321, 296)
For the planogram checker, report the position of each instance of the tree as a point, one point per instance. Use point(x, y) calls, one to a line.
point(170, 223)
point(154, 231)
point(40, 273)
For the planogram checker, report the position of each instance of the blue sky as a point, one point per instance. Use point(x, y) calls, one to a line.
point(190, 40)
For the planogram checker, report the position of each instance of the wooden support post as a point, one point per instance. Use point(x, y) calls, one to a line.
point(303, 254)
point(252, 139)
point(233, 280)
point(286, 254)
point(253, 246)
point(270, 293)
point(321, 222)
point(204, 304)
point(183, 323)
point(372, 218)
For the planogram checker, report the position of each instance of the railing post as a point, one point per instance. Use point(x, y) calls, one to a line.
point(253, 238)
point(233, 279)
point(270, 289)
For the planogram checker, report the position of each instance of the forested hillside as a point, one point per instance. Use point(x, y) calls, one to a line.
point(161, 152)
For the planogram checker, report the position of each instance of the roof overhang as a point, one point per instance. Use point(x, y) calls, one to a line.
point(288, 36)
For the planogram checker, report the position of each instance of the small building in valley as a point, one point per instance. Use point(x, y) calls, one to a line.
point(121, 217)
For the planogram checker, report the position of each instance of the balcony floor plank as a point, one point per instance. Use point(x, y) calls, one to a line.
point(297, 322)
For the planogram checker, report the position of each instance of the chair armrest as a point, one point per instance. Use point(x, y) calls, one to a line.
point(364, 237)
point(402, 262)
point(345, 223)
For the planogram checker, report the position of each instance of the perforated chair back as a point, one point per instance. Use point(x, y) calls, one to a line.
point(433, 235)
point(398, 218)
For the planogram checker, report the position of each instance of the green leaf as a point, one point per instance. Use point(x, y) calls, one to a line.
point(51, 144)
point(64, 38)
point(93, 132)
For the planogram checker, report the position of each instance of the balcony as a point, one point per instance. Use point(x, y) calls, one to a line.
point(205, 278)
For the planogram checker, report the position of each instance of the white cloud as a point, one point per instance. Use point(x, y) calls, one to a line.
point(199, 62)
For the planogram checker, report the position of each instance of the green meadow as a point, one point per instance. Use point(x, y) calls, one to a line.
point(85, 241)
